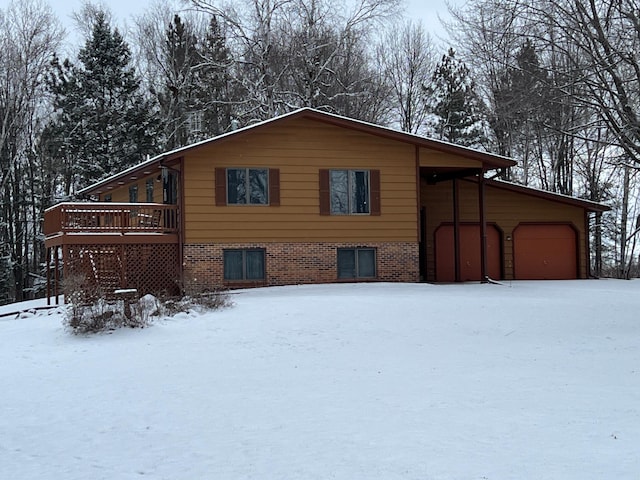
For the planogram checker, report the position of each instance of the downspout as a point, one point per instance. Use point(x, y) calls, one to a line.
point(484, 277)
point(456, 230)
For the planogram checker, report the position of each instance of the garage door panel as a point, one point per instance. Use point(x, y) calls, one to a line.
point(470, 263)
point(545, 252)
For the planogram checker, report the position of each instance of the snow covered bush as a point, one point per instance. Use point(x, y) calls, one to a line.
point(89, 310)
point(204, 301)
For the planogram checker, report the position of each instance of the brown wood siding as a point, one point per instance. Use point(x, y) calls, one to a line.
point(433, 158)
point(505, 209)
point(300, 149)
point(121, 194)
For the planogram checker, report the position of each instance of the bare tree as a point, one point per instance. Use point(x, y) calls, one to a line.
point(30, 34)
point(584, 136)
point(288, 52)
point(408, 60)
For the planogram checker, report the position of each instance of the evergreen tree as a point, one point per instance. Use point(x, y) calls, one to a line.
point(179, 59)
point(456, 110)
point(518, 113)
point(214, 94)
point(103, 122)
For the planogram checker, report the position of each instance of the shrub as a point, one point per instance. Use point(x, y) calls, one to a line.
point(89, 310)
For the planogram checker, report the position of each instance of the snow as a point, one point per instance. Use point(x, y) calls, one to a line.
point(535, 380)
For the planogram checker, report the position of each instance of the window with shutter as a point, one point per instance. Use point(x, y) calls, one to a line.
point(349, 192)
point(247, 186)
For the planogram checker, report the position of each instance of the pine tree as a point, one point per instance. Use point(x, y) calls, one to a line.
point(214, 94)
point(103, 122)
point(456, 110)
point(179, 59)
point(519, 96)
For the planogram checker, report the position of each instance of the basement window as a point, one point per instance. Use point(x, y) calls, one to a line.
point(244, 264)
point(355, 263)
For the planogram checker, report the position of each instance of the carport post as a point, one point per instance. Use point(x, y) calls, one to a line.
point(483, 229)
point(456, 230)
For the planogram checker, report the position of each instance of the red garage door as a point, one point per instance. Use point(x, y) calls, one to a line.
point(470, 268)
point(544, 251)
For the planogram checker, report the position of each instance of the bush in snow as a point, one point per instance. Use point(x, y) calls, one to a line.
point(204, 301)
point(89, 310)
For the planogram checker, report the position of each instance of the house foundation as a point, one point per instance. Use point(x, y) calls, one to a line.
point(298, 263)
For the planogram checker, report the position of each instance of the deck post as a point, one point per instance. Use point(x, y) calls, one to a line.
point(48, 254)
point(56, 274)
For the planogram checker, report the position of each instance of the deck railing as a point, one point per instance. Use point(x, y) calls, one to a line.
point(110, 218)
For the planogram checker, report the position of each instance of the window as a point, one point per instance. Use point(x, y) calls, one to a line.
point(349, 191)
point(150, 190)
point(107, 198)
point(133, 194)
point(356, 263)
point(247, 186)
point(244, 264)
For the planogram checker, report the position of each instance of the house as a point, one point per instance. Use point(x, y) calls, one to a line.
point(311, 197)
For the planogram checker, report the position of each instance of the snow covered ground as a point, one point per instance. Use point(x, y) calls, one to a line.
point(530, 380)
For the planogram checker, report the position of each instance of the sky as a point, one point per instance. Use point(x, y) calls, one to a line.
point(427, 11)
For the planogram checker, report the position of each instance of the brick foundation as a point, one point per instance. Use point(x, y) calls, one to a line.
point(299, 263)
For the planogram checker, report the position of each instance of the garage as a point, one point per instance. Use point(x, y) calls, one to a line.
point(545, 252)
point(470, 264)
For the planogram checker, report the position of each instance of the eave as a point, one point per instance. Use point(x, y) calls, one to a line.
point(489, 161)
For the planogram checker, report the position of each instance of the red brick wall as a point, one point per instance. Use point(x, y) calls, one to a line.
point(297, 263)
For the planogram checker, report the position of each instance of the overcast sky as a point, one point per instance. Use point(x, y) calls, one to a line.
point(425, 10)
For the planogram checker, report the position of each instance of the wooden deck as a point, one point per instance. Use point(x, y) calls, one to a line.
point(112, 246)
point(120, 223)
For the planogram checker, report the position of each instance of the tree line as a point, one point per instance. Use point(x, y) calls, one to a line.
point(553, 85)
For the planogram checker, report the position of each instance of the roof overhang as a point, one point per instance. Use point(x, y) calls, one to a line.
point(555, 197)
point(489, 161)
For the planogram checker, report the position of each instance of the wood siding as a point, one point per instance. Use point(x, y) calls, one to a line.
point(505, 209)
point(122, 194)
point(433, 158)
point(299, 149)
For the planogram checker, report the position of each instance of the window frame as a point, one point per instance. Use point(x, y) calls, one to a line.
point(351, 184)
point(133, 193)
point(247, 181)
point(357, 268)
point(149, 187)
point(244, 252)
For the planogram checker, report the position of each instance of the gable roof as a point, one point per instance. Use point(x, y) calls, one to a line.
point(147, 167)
